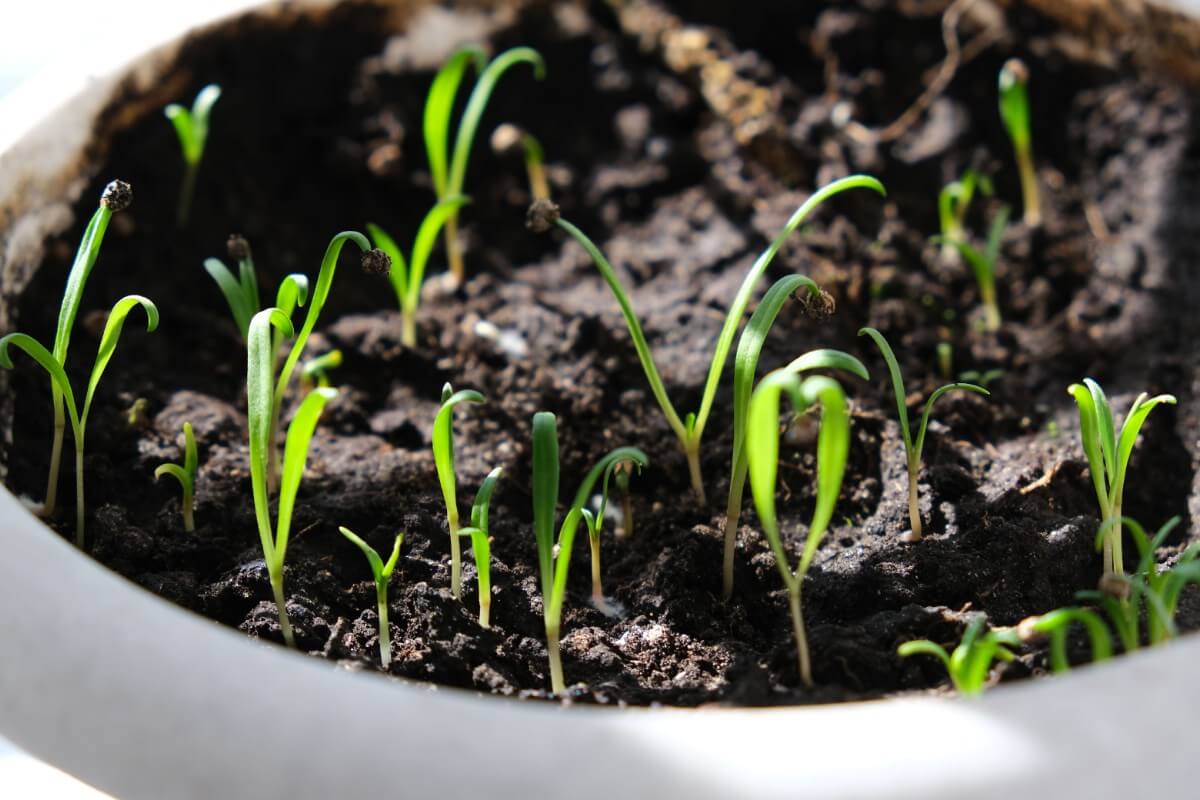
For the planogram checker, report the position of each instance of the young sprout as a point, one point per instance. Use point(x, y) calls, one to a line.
point(983, 266)
point(373, 261)
point(481, 546)
point(450, 170)
point(1108, 454)
point(316, 370)
point(912, 447)
point(595, 522)
point(241, 292)
point(408, 276)
point(762, 454)
point(971, 661)
point(554, 555)
point(507, 138)
point(443, 459)
point(1014, 112)
point(382, 573)
point(745, 365)
point(621, 475)
point(1121, 597)
point(186, 475)
point(1056, 624)
point(984, 379)
point(945, 358)
point(690, 430)
point(117, 196)
point(953, 203)
point(260, 363)
point(192, 129)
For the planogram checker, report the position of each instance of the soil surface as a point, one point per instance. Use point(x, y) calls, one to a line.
point(682, 153)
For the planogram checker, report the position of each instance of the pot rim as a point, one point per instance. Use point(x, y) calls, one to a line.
point(206, 712)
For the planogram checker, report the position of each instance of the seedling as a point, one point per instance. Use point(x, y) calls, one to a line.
point(372, 260)
point(315, 371)
point(983, 266)
point(945, 359)
point(554, 555)
point(972, 659)
point(450, 170)
point(382, 573)
point(1122, 597)
point(594, 520)
point(1014, 112)
point(192, 129)
point(241, 293)
point(186, 475)
point(408, 276)
point(913, 448)
point(1108, 454)
point(762, 453)
point(985, 378)
point(443, 459)
point(481, 546)
point(260, 405)
point(507, 138)
point(621, 475)
point(689, 431)
point(954, 201)
point(745, 365)
point(116, 197)
point(1056, 625)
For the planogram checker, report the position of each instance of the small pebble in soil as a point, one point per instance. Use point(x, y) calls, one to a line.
point(541, 216)
point(376, 262)
point(118, 195)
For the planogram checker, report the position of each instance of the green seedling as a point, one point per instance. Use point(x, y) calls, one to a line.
point(481, 547)
point(506, 140)
point(62, 385)
point(372, 261)
point(408, 276)
point(621, 476)
point(985, 378)
point(186, 475)
point(315, 371)
point(1108, 454)
point(382, 573)
point(241, 292)
point(554, 555)
point(983, 266)
point(912, 447)
point(762, 452)
point(191, 126)
point(954, 201)
point(594, 521)
point(260, 405)
point(744, 367)
point(116, 197)
point(972, 659)
point(1014, 112)
point(443, 459)
point(1122, 598)
point(689, 431)
point(449, 170)
point(945, 359)
point(1056, 625)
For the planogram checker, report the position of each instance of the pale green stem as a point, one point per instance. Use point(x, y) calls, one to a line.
point(385, 631)
point(60, 426)
point(189, 518)
point(408, 327)
point(733, 512)
point(557, 685)
point(626, 528)
point(285, 624)
point(597, 587)
point(1116, 557)
point(455, 555)
point(798, 630)
point(454, 255)
point(485, 610)
point(692, 449)
point(186, 190)
point(914, 501)
point(79, 496)
point(1029, 188)
point(991, 311)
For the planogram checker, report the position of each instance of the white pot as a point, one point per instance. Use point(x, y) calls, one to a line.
point(203, 712)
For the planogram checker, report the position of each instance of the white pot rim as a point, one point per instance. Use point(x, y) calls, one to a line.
point(204, 712)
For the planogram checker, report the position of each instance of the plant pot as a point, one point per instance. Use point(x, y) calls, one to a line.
point(202, 711)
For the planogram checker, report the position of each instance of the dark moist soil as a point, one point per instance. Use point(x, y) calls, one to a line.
point(319, 131)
